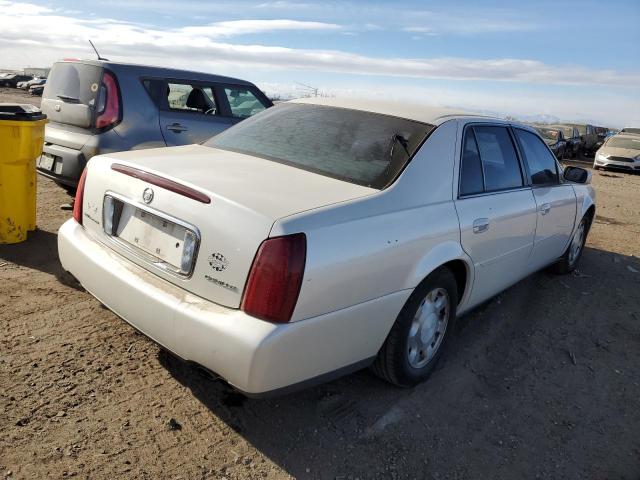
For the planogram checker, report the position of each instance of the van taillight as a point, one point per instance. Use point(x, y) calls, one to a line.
point(108, 102)
point(275, 278)
point(77, 203)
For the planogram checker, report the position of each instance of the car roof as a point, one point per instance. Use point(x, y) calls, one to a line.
point(419, 113)
point(152, 71)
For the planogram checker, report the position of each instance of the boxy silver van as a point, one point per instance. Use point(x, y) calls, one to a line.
point(97, 107)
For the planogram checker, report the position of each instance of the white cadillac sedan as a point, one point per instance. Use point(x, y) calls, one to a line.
point(323, 236)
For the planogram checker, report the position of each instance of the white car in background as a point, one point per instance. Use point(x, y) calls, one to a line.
point(621, 151)
point(323, 236)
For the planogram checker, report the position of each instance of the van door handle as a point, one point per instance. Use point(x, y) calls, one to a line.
point(545, 208)
point(176, 127)
point(480, 225)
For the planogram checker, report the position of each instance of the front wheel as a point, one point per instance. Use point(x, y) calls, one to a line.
point(569, 259)
point(418, 336)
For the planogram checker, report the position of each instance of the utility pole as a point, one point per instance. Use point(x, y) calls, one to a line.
point(313, 89)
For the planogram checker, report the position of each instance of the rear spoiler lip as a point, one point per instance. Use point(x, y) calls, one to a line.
point(161, 182)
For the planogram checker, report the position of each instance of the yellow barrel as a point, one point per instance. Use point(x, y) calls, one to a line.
point(21, 140)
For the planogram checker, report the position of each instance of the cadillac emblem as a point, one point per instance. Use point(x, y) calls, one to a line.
point(147, 195)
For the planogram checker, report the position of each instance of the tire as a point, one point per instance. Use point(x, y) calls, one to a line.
point(405, 359)
point(70, 190)
point(572, 254)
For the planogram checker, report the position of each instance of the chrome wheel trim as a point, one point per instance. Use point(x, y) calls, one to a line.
point(576, 243)
point(428, 327)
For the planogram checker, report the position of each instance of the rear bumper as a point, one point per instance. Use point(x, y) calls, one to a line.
point(68, 164)
point(254, 356)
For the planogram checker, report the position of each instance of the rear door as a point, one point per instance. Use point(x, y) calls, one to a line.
point(555, 201)
point(496, 209)
point(190, 113)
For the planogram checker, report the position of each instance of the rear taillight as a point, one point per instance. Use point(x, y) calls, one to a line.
point(276, 277)
point(77, 202)
point(108, 102)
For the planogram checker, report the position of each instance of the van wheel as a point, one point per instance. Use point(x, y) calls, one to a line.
point(419, 335)
point(70, 190)
point(569, 259)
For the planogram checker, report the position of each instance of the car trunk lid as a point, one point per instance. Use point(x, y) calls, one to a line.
point(245, 194)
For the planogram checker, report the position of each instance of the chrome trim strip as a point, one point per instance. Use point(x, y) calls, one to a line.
point(494, 192)
point(147, 257)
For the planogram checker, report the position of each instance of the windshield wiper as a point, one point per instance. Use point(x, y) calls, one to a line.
point(398, 138)
point(68, 98)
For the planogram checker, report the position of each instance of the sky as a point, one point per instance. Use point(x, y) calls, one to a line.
point(564, 60)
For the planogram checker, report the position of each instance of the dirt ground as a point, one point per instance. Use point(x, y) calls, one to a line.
point(540, 382)
point(14, 95)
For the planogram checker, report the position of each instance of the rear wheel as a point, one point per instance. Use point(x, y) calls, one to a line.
point(420, 333)
point(69, 189)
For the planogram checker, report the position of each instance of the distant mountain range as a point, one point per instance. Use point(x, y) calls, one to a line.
point(537, 118)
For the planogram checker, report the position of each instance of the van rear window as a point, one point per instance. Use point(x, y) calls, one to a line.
point(74, 83)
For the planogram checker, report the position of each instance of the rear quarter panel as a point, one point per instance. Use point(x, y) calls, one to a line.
point(140, 125)
point(361, 250)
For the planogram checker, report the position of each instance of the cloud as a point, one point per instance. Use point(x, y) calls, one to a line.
point(39, 34)
point(244, 27)
point(470, 21)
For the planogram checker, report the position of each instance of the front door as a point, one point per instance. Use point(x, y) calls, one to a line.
point(191, 114)
point(555, 201)
point(496, 210)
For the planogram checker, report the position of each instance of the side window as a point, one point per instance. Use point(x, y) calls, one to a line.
point(499, 160)
point(154, 88)
point(541, 162)
point(243, 102)
point(471, 180)
point(191, 98)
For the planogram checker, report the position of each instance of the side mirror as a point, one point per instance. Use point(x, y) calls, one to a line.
point(577, 175)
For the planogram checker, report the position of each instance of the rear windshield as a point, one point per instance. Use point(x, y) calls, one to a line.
point(624, 142)
point(359, 147)
point(73, 82)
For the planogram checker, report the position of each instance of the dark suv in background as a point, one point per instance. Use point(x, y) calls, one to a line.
point(589, 138)
point(97, 107)
point(12, 79)
point(574, 143)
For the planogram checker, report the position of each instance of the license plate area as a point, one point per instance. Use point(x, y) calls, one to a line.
point(159, 239)
point(46, 161)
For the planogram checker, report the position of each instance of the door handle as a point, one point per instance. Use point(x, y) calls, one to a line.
point(480, 225)
point(176, 127)
point(545, 208)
